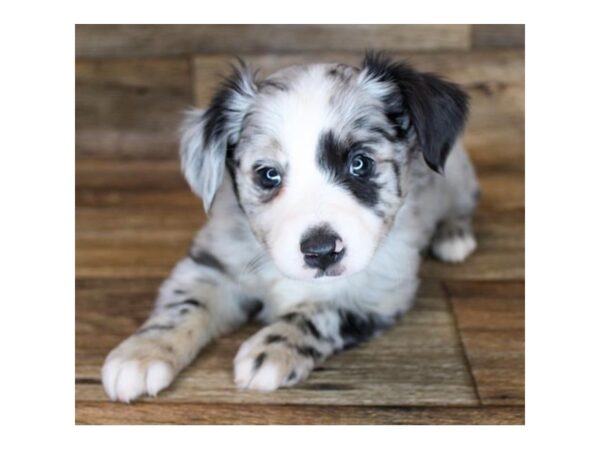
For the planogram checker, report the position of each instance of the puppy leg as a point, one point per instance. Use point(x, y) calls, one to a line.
point(195, 304)
point(285, 352)
point(453, 240)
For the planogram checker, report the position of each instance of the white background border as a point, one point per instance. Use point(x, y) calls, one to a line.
point(37, 176)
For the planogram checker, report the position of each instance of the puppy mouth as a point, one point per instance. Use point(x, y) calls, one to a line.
point(334, 271)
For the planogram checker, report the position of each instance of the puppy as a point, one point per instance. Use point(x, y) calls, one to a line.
point(323, 183)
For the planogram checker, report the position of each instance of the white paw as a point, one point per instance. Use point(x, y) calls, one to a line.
point(265, 366)
point(454, 249)
point(129, 373)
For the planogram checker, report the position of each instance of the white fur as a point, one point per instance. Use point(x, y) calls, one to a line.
point(127, 379)
point(455, 249)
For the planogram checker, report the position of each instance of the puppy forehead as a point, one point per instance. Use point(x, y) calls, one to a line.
point(296, 105)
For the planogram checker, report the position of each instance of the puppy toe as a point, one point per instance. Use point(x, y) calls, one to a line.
point(454, 249)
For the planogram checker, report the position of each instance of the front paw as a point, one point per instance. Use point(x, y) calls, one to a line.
point(137, 367)
point(278, 355)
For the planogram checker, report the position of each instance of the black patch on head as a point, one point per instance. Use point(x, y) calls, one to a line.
point(333, 157)
point(356, 328)
point(207, 259)
point(435, 108)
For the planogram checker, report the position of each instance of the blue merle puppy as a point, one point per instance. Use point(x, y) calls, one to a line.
point(323, 183)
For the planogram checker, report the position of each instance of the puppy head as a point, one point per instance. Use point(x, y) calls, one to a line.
point(319, 155)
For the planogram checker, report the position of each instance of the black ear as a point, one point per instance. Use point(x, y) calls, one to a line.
point(437, 109)
point(207, 134)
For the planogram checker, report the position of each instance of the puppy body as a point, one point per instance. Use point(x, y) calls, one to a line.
point(247, 261)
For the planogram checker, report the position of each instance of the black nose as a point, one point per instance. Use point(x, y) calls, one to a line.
point(319, 247)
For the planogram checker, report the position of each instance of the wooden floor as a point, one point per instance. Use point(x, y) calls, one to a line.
point(456, 358)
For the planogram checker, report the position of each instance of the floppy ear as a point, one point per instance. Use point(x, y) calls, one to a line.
point(206, 135)
point(435, 108)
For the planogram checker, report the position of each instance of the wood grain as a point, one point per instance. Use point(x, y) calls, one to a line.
point(456, 358)
point(486, 71)
point(490, 318)
point(498, 36)
point(258, 414)
point(135, 41)
point(130, 108)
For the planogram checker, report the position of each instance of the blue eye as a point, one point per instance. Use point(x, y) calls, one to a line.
point(361, 166)
point(268, 177)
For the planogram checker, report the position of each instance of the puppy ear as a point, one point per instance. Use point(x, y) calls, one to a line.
point(435, 108)
point(207, 135)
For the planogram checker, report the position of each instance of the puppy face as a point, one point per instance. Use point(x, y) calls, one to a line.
point(319, 155)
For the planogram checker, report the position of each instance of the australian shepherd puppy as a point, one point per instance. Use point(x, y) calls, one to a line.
point(323, 184)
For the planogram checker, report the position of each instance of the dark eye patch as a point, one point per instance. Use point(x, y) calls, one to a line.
point(333, 156)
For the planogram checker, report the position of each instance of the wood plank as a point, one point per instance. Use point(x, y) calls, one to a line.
point(490, 317)
point(495, 131)
point(501, 191)
point(498, 36)
point(479, 266)
point(490, 289)
point(417, 362)
point(257, 414)
point(500, 253)
point(135, 41)
point(128, 174)
point(499, 227)
point(130, 108)
point(167, 200)
point(486, 71)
